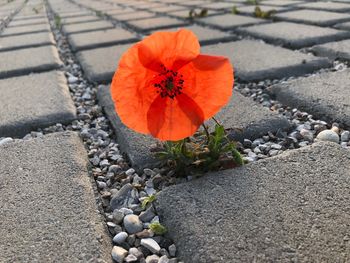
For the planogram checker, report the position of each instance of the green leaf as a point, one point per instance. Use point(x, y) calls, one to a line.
point(157, 228)
point(237, 157)
point(148, 200)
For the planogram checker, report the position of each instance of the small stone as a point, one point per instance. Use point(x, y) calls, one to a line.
point(148, 172)
point(163, 259)
point(118, 216)
point(132, 224)
point(129, 172)
point(145, 233)
point(147, 215)
point(152, 259)
point(101, 185)
point(131, 240)
point(137, 253)
point(328, 135)
point(276, 146)
point(114, 169)
point(173, 260)
point(120, 237)
point(72, 80)
point(307, 135)
point(150, 244)
point(130, 258)
point(172, 250)
point(126, 196)
point(345, 136)
point(119, 254)
point(6, 140)
point(126, 211)
point(247, 143)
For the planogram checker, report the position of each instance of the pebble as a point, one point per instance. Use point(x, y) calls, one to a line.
point(125, 197)
point(6, 140)
point(130, 258)
point(307, 135)
point(147, 215)
point(137, 253)
point(345, 136)
point(328, 135)
point(132, 224)
point(163, 259)
point(118, 216)
point(150, 244)
point(130, 171)
point(119, 254)
point(72, 80)
point(120, 237)
point(172, 250)
point(152, 259)
point(126, 211)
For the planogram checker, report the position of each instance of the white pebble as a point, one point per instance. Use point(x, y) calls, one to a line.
point(328, 135)
point(120, 237)
point(119, 253)
point(6, 140)
point(150, 244)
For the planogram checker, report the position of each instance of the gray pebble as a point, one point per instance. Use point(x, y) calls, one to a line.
point(152, 259)
point(150, 244)
point(130, 171)
point(130, 258)
point(163, 259)
point(328, 135)
point(6, 140)
point(126, 211)
point(345, 136)
point(132, 224)
point(118, 216)
point(147, 215)
point(119, 254)
point(120, 237)
point(172, 250)
point(137, 253)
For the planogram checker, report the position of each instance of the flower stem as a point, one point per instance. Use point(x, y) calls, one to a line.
point(206, 132)
point(216, 121)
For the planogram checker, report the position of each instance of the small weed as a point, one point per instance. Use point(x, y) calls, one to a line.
point(263, 14)
point(158, 228)
point(148, 200)
point(202, 13)
point(201, 153)
point(99, 13)
point(235, 10)
point(58, 22)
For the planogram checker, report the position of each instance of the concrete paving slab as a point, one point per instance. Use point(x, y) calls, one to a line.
point(28, 22)
point(270, 62)
point(21, 30)
point(330, 6)
point(48, 207)
point(95, 39)
point(134, 15)
point(314, 17)
point(44, 101)
point(250, 9)
point(325, 96)
point(100, 64)
point(242, 115)
point(344, 26)
point(160, 22)
point(87, 27)
point(334, 50)
point(26, 41)
point(79, 19)
point(207, 35)
point(23, 17)
point(288, 208)
point(75, 14)
point(185, 14)
point(294, 35)
point(282, 2)
point(25, 61)
point(218, 6)
point(230, 21)
point(168, 8)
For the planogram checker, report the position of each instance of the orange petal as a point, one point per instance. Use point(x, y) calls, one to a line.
point(209, 82)
point(132, 91)
point(172, 49)
point(174, 119)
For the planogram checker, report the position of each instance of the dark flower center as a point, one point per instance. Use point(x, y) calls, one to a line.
point(169, 83)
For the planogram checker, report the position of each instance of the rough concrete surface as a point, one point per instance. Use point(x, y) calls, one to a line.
point(289, 208)
point(334, 50)
point(325, 95)
point(34, 101)
point(48, 208)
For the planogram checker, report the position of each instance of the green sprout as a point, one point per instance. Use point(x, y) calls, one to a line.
point(158, 228)
point(148, 200)
point(235, 10)
point(193, 14)
point(263, 14)
point(58, 22)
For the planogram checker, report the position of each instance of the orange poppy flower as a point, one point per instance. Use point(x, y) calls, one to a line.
point(165, 88)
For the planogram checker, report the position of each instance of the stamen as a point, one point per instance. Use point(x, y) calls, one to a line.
point(169, 83)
